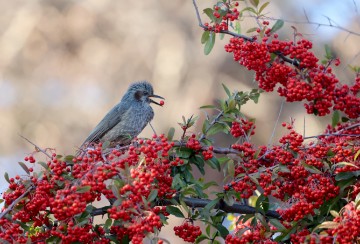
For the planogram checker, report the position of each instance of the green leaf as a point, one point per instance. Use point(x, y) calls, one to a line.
point(211, 205)
point(174, 211)
point(214, 163)
point(153, 194)
point(216, 128)
point(201, 237)
point(222, 230)
point(238, 27)
point(251, 30)
point(255, 3)
point(207, 106)
point(107, 224)
point(171, 133)
point(277, 26)
point(229, 198)
point(311, 168)
point(249, 9)
point(44, 165)
point(24, 167)
point(209, 44)
point(277, 224)
point(210, 13)
point(343, 164)
point(226, 90)
point(209, 184)
point(183, 152)
point(205, 37)
point(328, 53)
point(6, 176)
point(231, 168)
point(53, 239)
point(105, 145)
point(83, 189)
point(263, 7)
point(335, 118)
point(68, 159)
point(347, 175)
point(262, 204)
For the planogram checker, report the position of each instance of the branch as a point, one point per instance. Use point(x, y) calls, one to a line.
point(247, 38)
point(16, 201)
point(36, 147)
point(201, 203)
point(250, 39)
point(308, 22)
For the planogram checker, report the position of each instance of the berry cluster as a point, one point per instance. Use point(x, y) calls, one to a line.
point(67, 185)
point(192, 143)
point(303, 79)
point(208, 154)
point(245, 232)
point(242, 128)
point(187, 231)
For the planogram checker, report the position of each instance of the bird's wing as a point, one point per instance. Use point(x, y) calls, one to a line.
point(112, 118)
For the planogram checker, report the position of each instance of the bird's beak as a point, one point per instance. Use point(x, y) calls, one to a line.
point(152, 101)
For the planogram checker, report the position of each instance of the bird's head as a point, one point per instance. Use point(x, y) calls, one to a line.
point(142, 92)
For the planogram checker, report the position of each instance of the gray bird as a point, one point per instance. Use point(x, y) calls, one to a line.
point(128, 118)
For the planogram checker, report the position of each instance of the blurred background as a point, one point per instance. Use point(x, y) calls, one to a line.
point(64, 64)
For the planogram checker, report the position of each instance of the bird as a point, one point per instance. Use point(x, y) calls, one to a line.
point(128, 118)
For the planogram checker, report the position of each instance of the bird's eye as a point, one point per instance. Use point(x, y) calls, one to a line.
point(145, 93)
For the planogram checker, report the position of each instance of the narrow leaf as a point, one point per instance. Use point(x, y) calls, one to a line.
point(207, 106)
point(83, 189)
point(251, 30)
point(277, 26)
point(44, 165)
point(250, 9)
point(210, 13)
point(174, 211)
point(6, 175)
point(105, 145)
point(335, 118)
point(226, 90)
point(346, 175)
point(153, 194)
point(205, 37)
point(263, 7)
point(209, 44)
point(255, 3)
point(328, 52)
point(171, 133)
point(222, 230)
point(277, 224)
point(24, 167)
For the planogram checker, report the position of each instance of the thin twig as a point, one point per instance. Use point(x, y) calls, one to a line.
point(222, 31)
point(276, 123)
point(37, 148)
point(308, 22)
